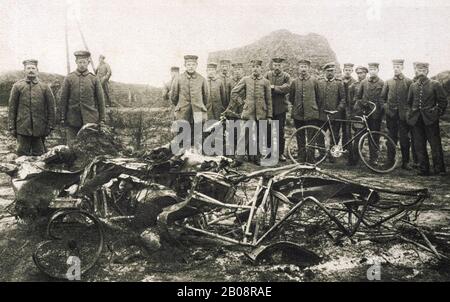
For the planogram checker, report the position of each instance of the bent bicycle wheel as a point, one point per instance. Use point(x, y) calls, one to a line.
point(378, 152)
point(76, 242)
point(307, 146)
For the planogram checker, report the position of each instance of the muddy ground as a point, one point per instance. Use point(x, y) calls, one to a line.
point(205, 260)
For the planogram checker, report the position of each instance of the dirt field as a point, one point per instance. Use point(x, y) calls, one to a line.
point(206, 260)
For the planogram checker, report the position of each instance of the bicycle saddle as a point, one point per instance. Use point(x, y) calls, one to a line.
point(331, 111)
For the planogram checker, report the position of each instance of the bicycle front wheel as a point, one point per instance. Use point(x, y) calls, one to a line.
point(307, 146)
point(378, 152)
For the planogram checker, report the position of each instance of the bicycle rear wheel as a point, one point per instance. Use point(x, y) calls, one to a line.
point(378, 152)
point(311, 149)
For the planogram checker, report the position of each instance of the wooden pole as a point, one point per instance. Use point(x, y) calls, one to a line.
point(84, 42)
point(67, 40)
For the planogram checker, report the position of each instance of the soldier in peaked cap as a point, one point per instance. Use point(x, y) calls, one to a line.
point(304, 62)
point(303, 94)
point(394, 97)
point(347, 81)
point(280, 83)
point(427, 102)
point(226, 78)
point(189, 95)
point(216, 93)
point(82, 99)
point(256, 93)
point(234, 111)
point(361, 72)
point(237, 74)
point(31, 112)
point(370, 91)
point(331, 97)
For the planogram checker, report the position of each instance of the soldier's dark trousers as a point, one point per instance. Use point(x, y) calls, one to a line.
point(336, 126)
point(400, 131)
point(30, 145)
point(281, 118)
point(352, 147)
point(374, 125)
point(249, 141)
point(431, 134)
point(105, 87)
point(346, 132)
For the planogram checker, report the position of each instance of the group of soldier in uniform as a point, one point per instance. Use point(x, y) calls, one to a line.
point(412, 107)
point(32, 106)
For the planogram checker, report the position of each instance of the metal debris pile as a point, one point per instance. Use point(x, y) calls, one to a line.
point(277, 214)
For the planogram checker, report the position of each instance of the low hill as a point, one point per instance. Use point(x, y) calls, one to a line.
point(125, 95)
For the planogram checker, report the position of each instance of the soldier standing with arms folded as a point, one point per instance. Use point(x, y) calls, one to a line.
point(280, 83)
point(427, 102)
point(82, 99)
point(31, 112)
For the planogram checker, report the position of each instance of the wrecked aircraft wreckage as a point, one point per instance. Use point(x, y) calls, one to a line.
point(269, 212)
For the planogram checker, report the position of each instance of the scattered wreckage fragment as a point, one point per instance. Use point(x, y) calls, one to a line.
point(157, 191)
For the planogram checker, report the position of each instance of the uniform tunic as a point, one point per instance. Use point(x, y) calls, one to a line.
point(189, 94)
point(216, 98)
point(82, 100)
point(31, 108)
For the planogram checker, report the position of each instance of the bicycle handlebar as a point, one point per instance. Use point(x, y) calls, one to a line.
point(362, 116)
point(373, 110)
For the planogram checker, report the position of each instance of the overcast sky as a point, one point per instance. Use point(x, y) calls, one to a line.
point(142, 39)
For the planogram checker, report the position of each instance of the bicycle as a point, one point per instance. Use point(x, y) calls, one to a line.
point(376, 149)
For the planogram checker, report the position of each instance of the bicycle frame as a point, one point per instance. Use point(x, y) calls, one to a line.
point(328, 125)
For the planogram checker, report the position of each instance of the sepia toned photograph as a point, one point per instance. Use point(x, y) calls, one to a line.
point(224, 141)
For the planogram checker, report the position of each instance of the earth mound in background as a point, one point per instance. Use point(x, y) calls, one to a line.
point(281, 43)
